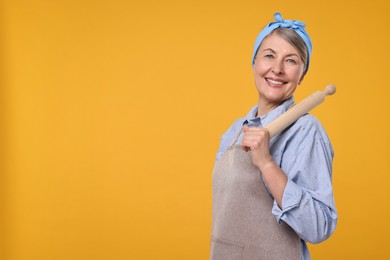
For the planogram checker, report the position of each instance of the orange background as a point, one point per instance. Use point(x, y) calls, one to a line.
point(111, 114)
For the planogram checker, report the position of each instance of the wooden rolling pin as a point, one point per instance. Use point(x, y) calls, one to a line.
point(298, 110)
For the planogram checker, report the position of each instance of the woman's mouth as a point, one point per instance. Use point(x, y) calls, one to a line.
point(275, 82)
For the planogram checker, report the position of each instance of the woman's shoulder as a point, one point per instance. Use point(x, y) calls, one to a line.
point(308, 120)
point(234, 128)
point(303, 135)
point(308, 126)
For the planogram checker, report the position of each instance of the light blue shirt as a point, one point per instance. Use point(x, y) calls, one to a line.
point(304, 153)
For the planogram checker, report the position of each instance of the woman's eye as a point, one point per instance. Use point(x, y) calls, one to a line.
point(268, 56)
point(291, 61)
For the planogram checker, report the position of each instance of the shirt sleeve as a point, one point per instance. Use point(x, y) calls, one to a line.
point(308, 204)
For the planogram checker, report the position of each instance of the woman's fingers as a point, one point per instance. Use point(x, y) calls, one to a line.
point(254, 137)
point(257, 140)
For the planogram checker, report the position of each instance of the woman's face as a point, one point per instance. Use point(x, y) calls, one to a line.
point(278, 70)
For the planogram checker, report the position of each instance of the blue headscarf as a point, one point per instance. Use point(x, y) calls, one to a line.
point(297, 26)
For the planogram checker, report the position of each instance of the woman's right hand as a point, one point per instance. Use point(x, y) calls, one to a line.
point(256, 140)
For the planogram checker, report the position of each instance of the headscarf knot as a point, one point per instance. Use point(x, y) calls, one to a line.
point(293, 24)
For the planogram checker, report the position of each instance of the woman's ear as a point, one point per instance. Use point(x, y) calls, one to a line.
point(301, 79)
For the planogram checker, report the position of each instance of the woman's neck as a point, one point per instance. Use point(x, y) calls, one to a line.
point(264, 108)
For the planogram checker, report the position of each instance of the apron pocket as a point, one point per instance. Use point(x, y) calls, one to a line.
point(222, 249)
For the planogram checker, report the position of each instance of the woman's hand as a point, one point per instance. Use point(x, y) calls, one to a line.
point(256, 140)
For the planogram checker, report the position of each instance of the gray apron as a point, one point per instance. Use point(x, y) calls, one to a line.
point(243, 227)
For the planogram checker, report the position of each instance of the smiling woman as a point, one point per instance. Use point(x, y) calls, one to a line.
point(271, 195)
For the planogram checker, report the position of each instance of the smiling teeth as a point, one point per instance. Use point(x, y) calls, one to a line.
point(275, 82)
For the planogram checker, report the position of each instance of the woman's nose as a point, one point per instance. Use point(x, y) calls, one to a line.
point(278, 67)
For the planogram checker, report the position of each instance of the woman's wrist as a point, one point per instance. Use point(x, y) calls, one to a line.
point(266, 164)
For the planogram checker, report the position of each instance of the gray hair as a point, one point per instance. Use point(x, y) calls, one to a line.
point(296, 41)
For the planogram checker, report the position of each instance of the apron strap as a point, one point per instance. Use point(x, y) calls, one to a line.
point(236, 137)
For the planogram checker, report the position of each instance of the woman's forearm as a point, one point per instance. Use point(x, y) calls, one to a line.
point(275, 179)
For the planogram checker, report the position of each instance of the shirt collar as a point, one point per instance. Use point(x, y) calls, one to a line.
point(251, 119)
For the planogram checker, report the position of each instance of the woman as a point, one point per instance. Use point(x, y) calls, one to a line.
point(271, 196)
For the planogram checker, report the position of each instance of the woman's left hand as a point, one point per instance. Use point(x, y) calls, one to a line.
point(256, 140)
